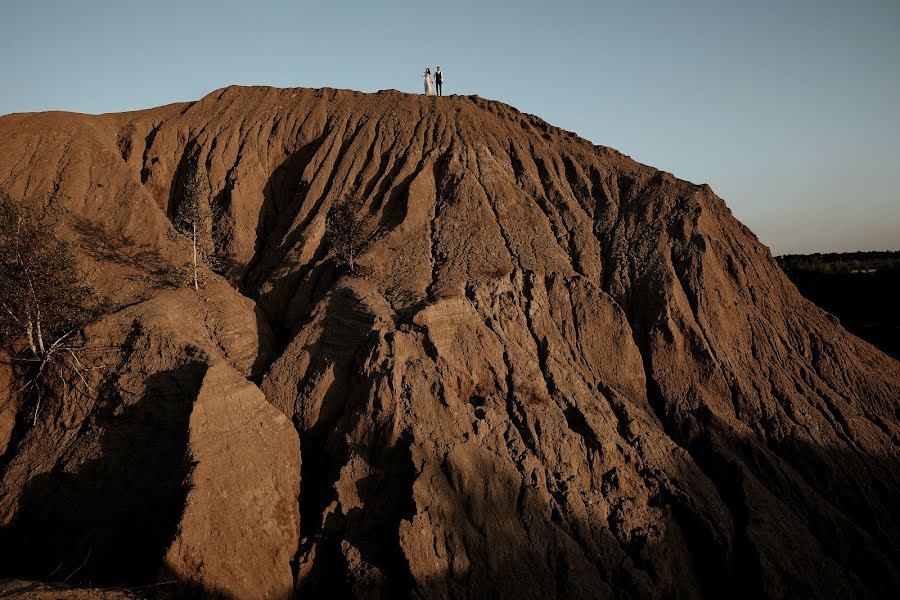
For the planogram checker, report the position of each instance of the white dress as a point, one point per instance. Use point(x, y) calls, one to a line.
point(429, 84)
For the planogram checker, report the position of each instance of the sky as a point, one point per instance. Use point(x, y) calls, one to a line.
point(790, 109)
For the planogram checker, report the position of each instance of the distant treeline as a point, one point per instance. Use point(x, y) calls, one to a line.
point(843, 262)
point(862, 289)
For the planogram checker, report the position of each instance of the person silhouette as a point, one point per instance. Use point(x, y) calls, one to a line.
point(429, 84)
point(438, 80)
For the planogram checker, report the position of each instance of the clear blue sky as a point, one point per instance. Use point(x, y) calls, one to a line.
point(789, 109)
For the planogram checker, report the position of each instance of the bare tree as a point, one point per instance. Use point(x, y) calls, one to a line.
point(44, 300)
point(349, 230)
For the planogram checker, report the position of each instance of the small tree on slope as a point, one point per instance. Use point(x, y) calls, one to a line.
point(194, 218)
point(348, 231)
point(43, 301)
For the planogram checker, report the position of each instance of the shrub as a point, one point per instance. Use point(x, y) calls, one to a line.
point(44, 301)
point(349, 231)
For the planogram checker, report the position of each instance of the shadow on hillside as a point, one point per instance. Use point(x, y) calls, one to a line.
point(786, 519)
point(109, 521)
point(785, 541)
point(115, 248)
point(325, 449)
point(283, 197)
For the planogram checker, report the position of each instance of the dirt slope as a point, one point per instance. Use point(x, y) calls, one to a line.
point(561, 372)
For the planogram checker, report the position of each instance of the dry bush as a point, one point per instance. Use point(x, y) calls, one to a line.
point(44, 302)
point(349, 231)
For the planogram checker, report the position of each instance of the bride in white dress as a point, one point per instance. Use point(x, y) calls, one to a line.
point(429, 83)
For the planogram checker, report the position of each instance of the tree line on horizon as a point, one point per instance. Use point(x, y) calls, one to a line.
point(840, 262)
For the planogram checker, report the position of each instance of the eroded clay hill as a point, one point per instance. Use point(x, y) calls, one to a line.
point(560, 373)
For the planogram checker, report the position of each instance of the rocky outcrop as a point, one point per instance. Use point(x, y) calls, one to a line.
point(560, 373)
point(175, 449)
point(240, 525)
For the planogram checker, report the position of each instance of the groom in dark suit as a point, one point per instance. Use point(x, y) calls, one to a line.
point(438, 79)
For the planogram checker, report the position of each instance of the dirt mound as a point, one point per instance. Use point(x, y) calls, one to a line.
point(240, 528)
point(560, 372)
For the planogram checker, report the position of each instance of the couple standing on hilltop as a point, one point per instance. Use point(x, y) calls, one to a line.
point(430, 83)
